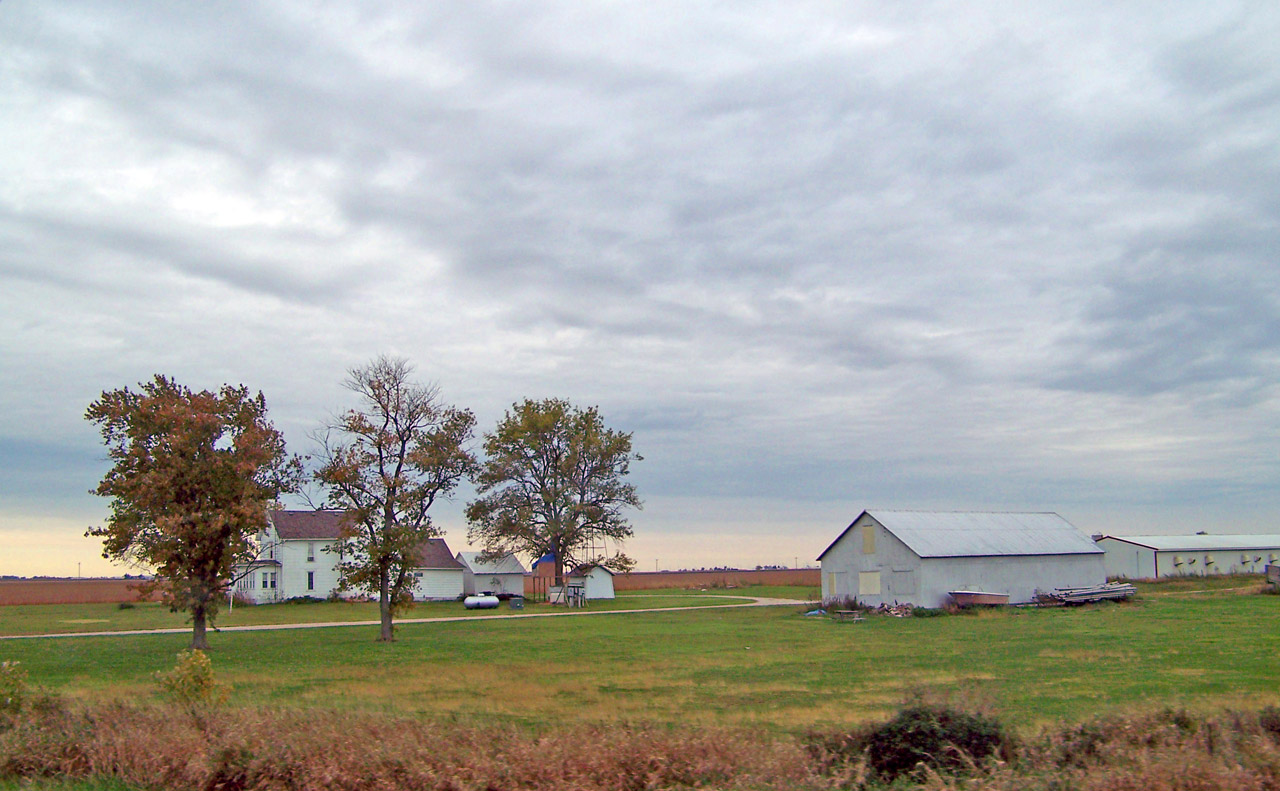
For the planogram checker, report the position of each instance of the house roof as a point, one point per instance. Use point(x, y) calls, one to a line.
point(586, 568)
point(434, 554)
point(945, 534)
point(308, 524)
point(1201, 543)
point(507, 564)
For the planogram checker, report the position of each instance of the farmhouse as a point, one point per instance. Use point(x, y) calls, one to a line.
point(293, 559)
point(1149, 557)
point(437, 573)
point(502, 576)
point(921, 556)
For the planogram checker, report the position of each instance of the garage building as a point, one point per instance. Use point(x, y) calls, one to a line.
point(1150, 557)
point(887, 556)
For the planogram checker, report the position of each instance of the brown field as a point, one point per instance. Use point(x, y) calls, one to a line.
point(67, 591)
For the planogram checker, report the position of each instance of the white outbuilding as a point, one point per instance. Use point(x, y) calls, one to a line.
point(437, 573)
point(1150, 557)
point(596, 581)
point(502, 576)
point(920, 557)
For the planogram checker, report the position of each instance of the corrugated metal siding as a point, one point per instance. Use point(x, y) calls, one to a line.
point(938, 534)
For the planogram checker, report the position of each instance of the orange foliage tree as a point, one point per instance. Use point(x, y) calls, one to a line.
point(192, 476)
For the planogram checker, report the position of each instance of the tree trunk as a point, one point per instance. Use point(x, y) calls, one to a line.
point(199, 641)
point(384, 606)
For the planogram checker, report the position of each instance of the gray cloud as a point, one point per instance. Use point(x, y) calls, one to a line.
point(936, 257)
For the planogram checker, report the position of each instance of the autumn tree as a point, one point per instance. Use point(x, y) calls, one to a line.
point(387, 462)
point(191, 478)
point(553, 481)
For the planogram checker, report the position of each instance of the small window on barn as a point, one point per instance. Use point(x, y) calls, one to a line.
point(1177, 560)
point(1208, 560)
point(868, 583)
point(868, 539)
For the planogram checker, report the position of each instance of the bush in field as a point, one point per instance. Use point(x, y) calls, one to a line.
point(13, 688)
point(1269, 719)
point(190, 683)
point(939, 737)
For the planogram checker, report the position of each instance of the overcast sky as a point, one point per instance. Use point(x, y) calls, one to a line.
point(818, 257)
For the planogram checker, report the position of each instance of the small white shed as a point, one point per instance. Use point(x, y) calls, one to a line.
point(502, 576)
point(437, 574)
point(1149, 557)
point(921, 556)
point(597, 581)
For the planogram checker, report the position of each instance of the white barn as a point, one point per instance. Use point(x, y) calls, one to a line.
point(293, 558)
point(884, 557)
point(437, 573)
point(504, 576)
point(1150, 557)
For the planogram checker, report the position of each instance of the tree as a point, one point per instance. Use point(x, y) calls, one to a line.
point(553, 482)
point(387, 462)
point(192, 476)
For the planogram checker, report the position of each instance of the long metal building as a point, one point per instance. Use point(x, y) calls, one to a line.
point(1149, 557)
point(886, 556)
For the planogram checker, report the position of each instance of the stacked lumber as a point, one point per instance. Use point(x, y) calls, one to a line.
point(1109, 591)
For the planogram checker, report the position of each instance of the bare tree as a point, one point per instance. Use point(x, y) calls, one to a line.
point(387, 462)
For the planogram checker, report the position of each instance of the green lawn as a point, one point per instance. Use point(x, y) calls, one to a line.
point(66, 618)
point(772, 667)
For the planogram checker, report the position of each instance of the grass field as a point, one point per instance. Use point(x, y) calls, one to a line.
point(1203, 646)
point(69, 618)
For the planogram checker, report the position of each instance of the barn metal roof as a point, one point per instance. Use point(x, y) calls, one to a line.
point(1201, 543)
point(946, 534)
point(507, 564)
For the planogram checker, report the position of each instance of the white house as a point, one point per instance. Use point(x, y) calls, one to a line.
point(292, 559)
point(504, 576)
point(437, 574)
point(1149, 557)
point(919, 557)
point(596, 581)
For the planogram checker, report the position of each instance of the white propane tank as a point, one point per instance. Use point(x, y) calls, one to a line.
point(480, 602)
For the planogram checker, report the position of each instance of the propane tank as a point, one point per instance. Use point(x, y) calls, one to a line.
point(485, 602)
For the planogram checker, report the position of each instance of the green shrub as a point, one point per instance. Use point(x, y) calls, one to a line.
point(927, 612)
point(939, 737)
point(190, 683)
point(13, 688)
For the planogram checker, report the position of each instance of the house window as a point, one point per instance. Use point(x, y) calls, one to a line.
point(311, 580)
point(268, 580)
point(265, 576)
point(311, 552)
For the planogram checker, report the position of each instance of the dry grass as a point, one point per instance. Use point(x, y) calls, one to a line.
point(164, 748)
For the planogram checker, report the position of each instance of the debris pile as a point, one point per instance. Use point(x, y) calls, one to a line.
point(897, 610)
point(1109, 591)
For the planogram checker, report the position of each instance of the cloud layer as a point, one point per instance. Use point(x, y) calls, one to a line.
point(817, 256)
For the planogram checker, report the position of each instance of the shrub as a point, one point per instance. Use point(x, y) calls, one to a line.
point(190, 683)
point(1269, 719)
point(927, 612)
point(939, 737)
point(126, 605)
point(13, 687)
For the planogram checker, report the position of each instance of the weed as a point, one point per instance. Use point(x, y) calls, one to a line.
point(938, 737)
point(13, 688)
point(190, 683)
